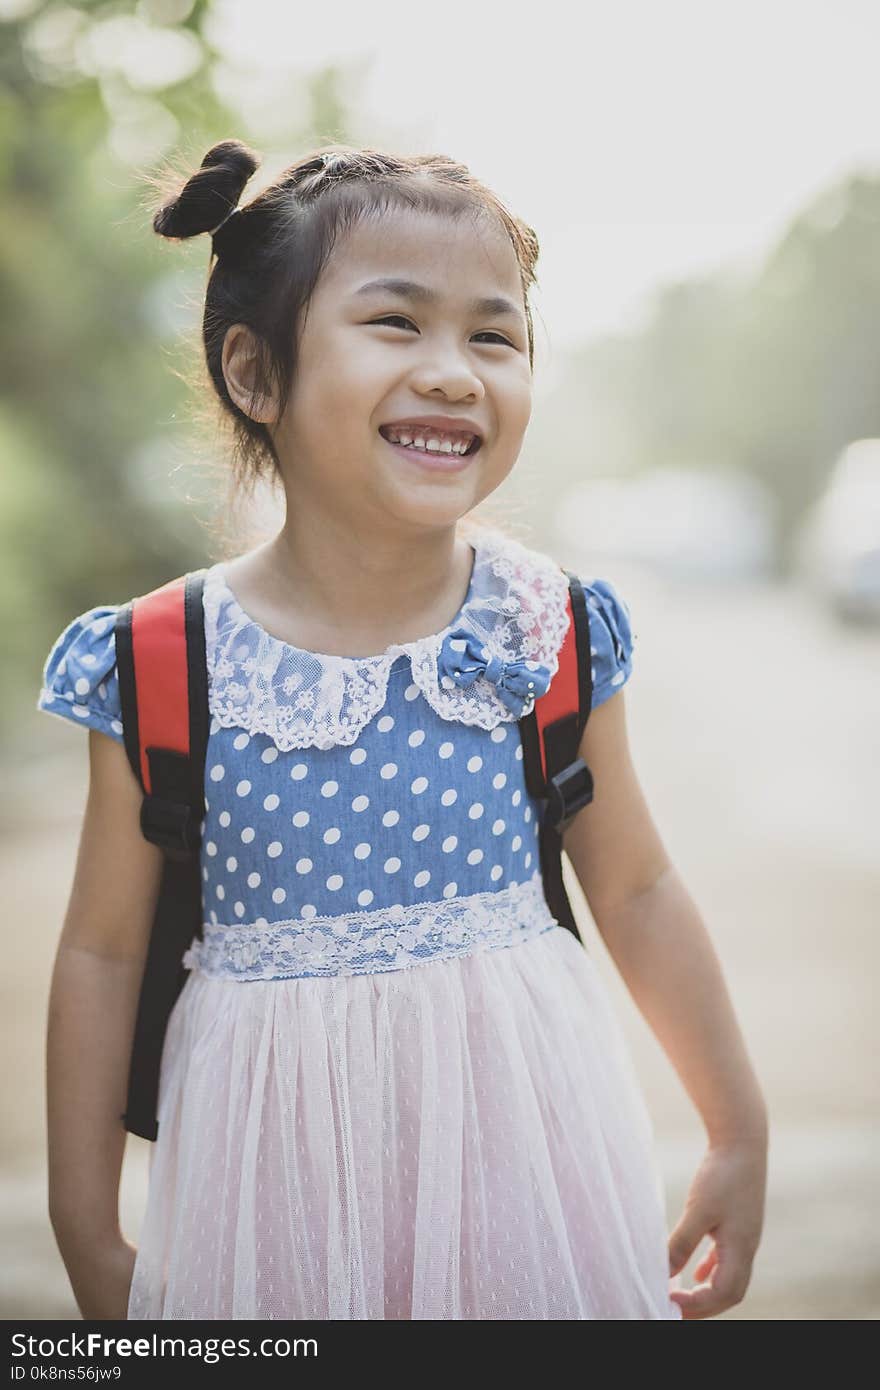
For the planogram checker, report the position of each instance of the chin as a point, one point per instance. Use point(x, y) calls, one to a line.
point(436, 511)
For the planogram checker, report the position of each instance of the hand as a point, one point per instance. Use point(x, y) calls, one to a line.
point(101, 1280)
point(726, 1202)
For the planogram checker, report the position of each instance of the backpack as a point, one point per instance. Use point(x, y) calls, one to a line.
point(163, 685)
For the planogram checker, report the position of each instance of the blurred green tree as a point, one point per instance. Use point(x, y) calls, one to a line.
point(100, 495)
point(773, 373)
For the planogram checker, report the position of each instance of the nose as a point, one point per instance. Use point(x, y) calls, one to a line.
point(448, 371)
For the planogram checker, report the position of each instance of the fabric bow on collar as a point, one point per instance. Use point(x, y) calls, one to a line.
point(463, 659)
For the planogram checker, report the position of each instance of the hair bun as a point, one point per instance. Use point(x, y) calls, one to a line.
point(209, 196)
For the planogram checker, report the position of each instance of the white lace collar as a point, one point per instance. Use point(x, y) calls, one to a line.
point(487, 667)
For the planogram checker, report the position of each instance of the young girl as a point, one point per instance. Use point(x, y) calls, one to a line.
point(393, 1085)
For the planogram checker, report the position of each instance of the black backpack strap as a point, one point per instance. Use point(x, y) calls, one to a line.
point(163, 684)
point(551, 735)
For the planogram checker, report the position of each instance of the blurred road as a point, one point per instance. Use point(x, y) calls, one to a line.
point(754, 726)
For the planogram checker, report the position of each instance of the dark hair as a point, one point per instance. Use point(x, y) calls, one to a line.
point(270, 253)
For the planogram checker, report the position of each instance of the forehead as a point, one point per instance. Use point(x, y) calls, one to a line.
point(474, 253)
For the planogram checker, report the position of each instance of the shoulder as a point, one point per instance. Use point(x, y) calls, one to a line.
point(79, 674)
point(611, 636)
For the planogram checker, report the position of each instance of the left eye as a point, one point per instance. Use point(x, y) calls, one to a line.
point(400, 318)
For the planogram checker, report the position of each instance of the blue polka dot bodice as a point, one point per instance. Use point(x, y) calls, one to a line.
point(416, 810)
point(365, 813)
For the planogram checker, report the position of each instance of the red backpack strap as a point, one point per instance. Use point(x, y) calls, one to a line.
point(551, 735)
point(163, 686)
point(163, 683)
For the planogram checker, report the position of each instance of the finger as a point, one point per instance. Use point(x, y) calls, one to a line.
point(730, 1276)
point(684, 1240)
point(697, 1302)
point(706, 1264)
point(722, 1290)
point(701, 1271)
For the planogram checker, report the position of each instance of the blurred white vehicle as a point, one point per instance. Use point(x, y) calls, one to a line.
point(838, 544)
point(686, 524)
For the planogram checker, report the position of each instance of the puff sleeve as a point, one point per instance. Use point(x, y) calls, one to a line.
point(611, 638)
point(80, 681)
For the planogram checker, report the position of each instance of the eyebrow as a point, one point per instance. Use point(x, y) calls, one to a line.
point(496, 306)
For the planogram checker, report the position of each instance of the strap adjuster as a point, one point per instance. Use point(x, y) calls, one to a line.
point(170, 825)
point(569, 791)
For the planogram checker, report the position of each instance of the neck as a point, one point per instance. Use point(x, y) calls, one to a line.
point(366, 590)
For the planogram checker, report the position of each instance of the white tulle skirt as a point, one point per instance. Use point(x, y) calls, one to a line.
point(464, 1139)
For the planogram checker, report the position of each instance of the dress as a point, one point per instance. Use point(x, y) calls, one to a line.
point(392, 1087)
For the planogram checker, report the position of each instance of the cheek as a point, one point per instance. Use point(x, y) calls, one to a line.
point(514, 390)
point(333, 413)
point(342, 370)
point(516, 409)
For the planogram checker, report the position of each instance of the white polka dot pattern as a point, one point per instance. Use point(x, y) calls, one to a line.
point(79, 675)
point(416, 1103)
point(328, 829)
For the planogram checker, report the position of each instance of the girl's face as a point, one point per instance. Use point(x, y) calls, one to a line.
point(368, 358)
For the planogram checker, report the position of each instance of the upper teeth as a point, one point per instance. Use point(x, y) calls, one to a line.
point(437, 441)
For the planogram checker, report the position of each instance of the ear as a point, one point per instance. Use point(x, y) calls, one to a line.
point(239, 360)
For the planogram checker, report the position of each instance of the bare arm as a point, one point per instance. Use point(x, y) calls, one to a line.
point(655, 935)
point(92, 1005)
point(660, 945)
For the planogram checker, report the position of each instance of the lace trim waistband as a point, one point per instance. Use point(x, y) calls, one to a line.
point(365, 943)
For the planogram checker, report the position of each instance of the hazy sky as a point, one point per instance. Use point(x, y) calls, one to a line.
point(642, 139)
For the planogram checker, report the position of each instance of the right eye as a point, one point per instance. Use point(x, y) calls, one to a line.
point(401, 318)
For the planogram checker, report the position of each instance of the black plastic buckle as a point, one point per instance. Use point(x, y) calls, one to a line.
point(170, 825)
point(569, 791)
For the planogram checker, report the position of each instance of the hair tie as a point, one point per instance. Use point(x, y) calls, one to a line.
point(220, 225)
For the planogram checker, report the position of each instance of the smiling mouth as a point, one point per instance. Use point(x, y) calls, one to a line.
point(472, 448)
